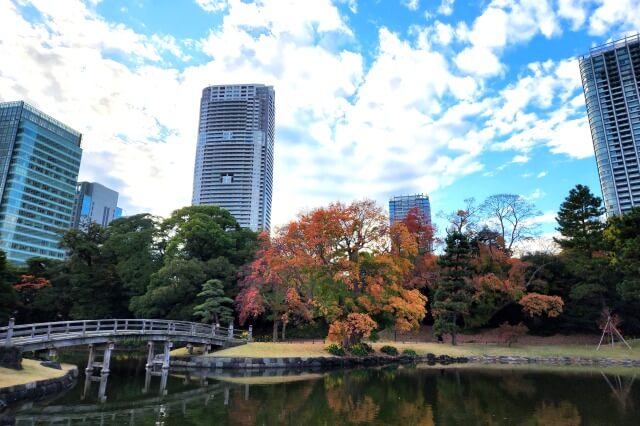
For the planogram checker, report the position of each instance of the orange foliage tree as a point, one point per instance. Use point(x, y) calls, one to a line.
point(341, 263)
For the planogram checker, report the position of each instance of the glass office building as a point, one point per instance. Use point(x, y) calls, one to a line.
point(611, 82)
point(399, 207)
point(39, 163)
point(95, 203)
point(234, 157)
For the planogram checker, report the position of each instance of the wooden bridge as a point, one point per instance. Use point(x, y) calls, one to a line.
point(107, 332)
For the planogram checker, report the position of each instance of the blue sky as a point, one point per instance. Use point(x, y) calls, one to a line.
point(454, 98)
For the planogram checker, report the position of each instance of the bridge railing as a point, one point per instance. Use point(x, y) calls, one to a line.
point(128, 326)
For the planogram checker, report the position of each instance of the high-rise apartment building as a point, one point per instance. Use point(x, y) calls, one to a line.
point(399, 207)
point(94, 203)
point(39, 163)
point(234, 157)
point(611, 82)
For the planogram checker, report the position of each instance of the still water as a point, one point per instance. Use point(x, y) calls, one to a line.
point(417, 395)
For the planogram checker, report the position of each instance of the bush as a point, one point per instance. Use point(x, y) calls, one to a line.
point(512, 333)
point(361, 349)
point(389, 350)
point(336, 350)
point(410, 352)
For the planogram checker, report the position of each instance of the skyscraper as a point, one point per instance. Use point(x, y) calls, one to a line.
point(39, 163)
point(399, 207)
point(94, 203)
point(611, 82)
point(234, 157)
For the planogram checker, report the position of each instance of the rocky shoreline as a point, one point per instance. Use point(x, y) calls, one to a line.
point(38, 389)
point(337, 362)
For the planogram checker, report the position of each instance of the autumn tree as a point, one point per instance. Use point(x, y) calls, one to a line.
point(464, 220)
point(336, 261)
point(512, 217)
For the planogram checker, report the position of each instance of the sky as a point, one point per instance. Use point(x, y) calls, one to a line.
point(374, 98)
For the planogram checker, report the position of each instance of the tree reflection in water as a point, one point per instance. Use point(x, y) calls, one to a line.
point(385, 396)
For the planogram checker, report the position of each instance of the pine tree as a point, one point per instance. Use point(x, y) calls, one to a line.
point(216, 305)
point(454, 292)
point(579, 221)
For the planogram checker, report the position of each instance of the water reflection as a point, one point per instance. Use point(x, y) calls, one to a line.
point(383, 396)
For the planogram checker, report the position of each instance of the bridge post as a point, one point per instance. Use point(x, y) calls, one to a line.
point(231, 331)
point(150, 355)
point(92, 358)
point(250, 337)
point(106, 358)
point(102, 389)
point(12, 323)
point(163, 382)
point(207, 349)
point(52, 353)
point(213, 330)
point(167, 355)
point(190, 349)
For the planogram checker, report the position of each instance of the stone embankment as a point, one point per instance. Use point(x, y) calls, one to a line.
point(312, 362)
point(554, 360)
point(38, 389)
point(336, 362)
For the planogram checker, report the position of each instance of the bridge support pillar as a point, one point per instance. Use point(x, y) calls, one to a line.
point(106, 358)
point(207, 349)
point(92, 358)
point(190, 349)
point(52, 353)
point(150, 355)
point(167, 355)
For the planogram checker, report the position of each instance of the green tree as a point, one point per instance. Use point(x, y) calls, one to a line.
point(95, 288)
point(131, 242)
point(592, 282)
point(199, 243)
point(7, 295)
point(579, 221)
point(623, 236)
point(454, 291)
point(216, 306)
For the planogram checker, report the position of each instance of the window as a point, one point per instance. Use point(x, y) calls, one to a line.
point(227, 178)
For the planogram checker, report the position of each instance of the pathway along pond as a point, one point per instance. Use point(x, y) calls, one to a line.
point(418, 395)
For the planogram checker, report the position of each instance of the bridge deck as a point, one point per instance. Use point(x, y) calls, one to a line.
point(59, 334)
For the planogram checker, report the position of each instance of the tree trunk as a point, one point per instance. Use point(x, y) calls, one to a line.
point(215, 318)
point(284, 331)
point(276, 323)
point(454, 339)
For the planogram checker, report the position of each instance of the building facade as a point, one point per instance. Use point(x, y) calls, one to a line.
point(39, 163)
point(95, 203)
point(399, 207)
point(611, 81)
point(234, 157)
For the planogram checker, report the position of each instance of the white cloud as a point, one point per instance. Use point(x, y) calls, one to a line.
point(541, 174)
point(610, 13)
point(212, 5)
point(411, 4)
point(520, 159)
point(479, 61)
point(446, 7)
point(535, 195)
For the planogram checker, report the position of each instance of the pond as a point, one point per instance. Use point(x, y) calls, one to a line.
point(416, 395)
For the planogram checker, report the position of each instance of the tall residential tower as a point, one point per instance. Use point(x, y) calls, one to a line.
point(611, 82)
point(234, 157)
point(39, 163)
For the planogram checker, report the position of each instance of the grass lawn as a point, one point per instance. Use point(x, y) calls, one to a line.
point(31, 371)
point(307, 349)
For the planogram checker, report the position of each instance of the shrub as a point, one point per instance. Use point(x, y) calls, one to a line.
point(361, 349)
point(336, 350)
point(512, 333)
point(410, 352)
point(389, 350)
